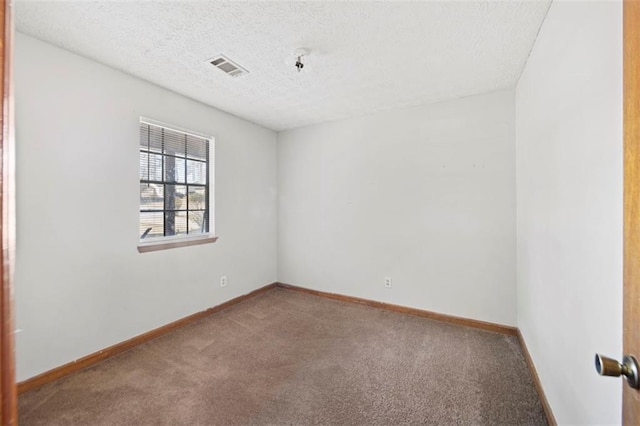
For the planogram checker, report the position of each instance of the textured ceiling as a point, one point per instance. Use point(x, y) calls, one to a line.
point(365, 56)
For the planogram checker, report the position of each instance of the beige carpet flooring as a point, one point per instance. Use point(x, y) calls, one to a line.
point(290, 358)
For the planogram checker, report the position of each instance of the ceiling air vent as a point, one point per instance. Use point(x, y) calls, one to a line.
point(227, 66)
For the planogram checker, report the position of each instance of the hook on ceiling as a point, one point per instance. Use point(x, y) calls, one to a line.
point(298, 55)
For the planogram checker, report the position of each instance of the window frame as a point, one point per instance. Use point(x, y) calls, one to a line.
point(185, 240)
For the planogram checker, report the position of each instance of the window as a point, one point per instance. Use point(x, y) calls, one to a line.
point(174, 187)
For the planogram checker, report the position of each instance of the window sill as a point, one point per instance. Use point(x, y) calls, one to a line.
point(181, 242)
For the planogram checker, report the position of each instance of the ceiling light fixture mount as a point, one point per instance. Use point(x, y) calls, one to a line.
point(299, 54)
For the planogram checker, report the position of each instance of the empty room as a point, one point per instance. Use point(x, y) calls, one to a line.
point(320, 212)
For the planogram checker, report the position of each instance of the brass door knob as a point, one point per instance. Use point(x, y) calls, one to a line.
point(610, 367)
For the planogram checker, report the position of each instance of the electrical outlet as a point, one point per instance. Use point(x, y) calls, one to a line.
point(223, 281)
point(387, 282)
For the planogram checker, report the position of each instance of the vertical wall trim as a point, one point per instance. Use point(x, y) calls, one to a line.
point(8, 404)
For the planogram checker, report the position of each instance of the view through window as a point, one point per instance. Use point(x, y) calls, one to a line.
point(174, 182)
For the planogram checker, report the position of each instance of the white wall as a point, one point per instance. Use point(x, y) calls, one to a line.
point(423, 195)
point(80, 283)
point(569, 185)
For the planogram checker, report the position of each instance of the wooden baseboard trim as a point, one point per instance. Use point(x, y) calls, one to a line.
point(489, 326)
point(536, 382)
point(96, 357)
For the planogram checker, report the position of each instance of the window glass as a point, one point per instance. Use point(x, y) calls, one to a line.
point(174, 182)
